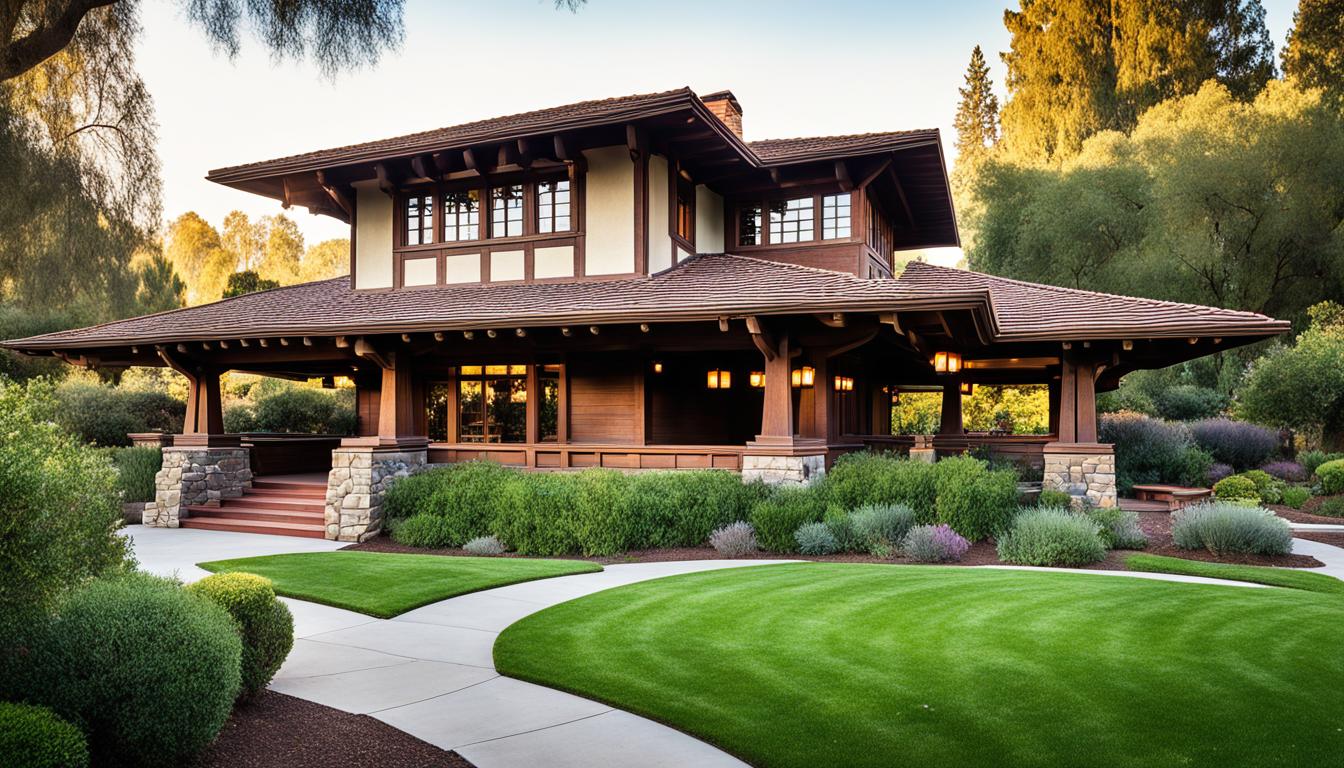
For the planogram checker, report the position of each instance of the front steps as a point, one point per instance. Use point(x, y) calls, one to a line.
point(275, 507)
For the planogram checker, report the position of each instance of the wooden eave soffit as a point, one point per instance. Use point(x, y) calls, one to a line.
point(365, 349)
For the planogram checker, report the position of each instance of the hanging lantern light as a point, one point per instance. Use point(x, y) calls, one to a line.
point(756, 379)
point(719, 379)
point(805, 376)
point(967, 387)
point(844, 383)
point(947, 362)
point(657, 366)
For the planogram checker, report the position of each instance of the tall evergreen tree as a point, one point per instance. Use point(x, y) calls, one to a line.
point(1314, 55)
point(977, 120)
point(1077, 67)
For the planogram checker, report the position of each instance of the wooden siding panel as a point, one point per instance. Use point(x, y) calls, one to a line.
point(604, 403)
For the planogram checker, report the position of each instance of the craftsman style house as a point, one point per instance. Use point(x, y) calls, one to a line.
point(629, 283)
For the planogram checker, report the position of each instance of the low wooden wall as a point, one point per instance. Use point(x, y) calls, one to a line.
point(581, 456)
point(281, 454)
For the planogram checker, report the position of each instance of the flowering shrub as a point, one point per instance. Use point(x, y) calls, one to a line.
point(1219, 471)
point(1119, 527)
point(1225, 528)
point(1150, 450)
point(1237, 443)
point(734, 539)
point(1289, 471)
point(934, 544)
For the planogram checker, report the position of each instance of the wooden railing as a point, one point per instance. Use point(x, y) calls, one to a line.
point(583, 455)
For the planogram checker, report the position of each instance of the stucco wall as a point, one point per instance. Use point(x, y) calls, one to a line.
point(373, 238)
point(610, 200)
point(660, 242)
point(708, 221)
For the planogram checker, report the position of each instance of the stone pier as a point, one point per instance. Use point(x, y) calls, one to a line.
point(1085, 471)
point(359, 479)
point(196, 475)
point(783, 470)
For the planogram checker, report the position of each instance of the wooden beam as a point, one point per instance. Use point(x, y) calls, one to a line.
point(386, 181)
point(873, 174)
point(893, 319)
point(527, 152)
point(424, 166)
point(285, 200)
point(842, 176)
point(562, 150)
point(507, 155)
point(832, 320)
point(341, 195)
point(636, 140)
point(900, 194)
point(448, 162)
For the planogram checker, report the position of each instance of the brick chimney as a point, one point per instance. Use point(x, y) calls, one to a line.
point(724, 105)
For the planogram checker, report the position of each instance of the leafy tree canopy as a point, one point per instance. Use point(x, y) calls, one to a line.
point(247, 281)
point(1302, 386)
point(1314, 56)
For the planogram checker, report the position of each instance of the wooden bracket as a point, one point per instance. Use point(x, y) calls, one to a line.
point(636, 140)
point(842, 176)
point(832, 320)
point(365, 349)
point(761, 337)
point(386, 181)
point(339, 194)
point(893, 319)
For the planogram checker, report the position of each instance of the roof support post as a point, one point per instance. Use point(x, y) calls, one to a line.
point(951, 423)
point(777, 410)
point(204, 422)
point(399, 400)
point(1077, 414)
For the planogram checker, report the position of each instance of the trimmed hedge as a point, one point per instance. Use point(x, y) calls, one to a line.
point(265, 624)
point(34, 737)
point(1052, 537)
point(974, 501)
point(1331, 474)
point(146, 669)
point(778, 517)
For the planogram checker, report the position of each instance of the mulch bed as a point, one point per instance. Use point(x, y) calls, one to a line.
point(1305, 515)
point(1325, 537)
point(279, 731)
point(1156, 525)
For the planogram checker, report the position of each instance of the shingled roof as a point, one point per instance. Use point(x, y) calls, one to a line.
point(701, 288)
point(1031, 311)
point(780, 151)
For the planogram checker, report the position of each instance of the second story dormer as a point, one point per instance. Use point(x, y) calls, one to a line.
point(614, 188)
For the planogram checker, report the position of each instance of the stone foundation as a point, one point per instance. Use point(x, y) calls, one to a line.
point(196, 475)
point(1085, 471)
point(783, 470)
point(359, 478)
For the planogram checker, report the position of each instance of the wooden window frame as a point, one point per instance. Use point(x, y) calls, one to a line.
point(822, 219)
point(768, 236)
point(528, 377)
point(536, 194)
point(403, 228)
point(675, 186)
point(442, 230)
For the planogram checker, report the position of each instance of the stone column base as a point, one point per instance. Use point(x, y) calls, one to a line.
point(783, 470)
point(196, 475)
point(1085, 471)
point(360, 476)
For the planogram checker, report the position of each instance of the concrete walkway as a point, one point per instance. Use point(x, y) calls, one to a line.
point(430, 672)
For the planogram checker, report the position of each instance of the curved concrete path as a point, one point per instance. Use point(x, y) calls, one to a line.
point(430, 672)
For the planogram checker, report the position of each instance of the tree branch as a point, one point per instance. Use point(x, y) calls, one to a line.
point(19, 56)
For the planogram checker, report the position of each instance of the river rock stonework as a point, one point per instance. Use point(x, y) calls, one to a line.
point(1084, 471)
point(195, 475)
point(783, 470)
point(355, 488)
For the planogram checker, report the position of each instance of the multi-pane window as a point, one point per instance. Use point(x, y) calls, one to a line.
point(419, 220)
point(506, 211)
point(749, 225)
point(791, 220)
point(492, 403)
point(685, 210)
point(548, 403)
point(835, 217)
point(553, 206)
point(461, 215)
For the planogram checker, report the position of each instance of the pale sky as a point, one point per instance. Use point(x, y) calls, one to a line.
point(798, 68)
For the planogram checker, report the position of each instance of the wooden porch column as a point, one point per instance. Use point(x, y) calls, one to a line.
point(951, 412)
point(1077, 399)
point(397, 401)
point(777, 410)
point(1053, 389)
point(204, 422)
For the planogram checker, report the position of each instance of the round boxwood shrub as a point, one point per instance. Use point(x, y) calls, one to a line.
point(786, 510)
point(146, 669)
point(264, 623)
point(1052, 537)
point(1331, 474)
point(1223, 528)
point(1236, 488)
point(34, 737)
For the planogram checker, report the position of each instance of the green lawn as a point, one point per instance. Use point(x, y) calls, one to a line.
point(385, 584)
point(825, 664)
point(1275, 577)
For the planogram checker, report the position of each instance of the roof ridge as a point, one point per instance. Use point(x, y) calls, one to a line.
point(1087, 292)
point(586, 103)
point(867, 135)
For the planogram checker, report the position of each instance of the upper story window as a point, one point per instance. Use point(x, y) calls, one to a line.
point(419, 220)
point(506, 211)
point(749, 225)
point(685, 210)
point(835, 217)
point(791, 220)
point(461, 215)
point(553, 206)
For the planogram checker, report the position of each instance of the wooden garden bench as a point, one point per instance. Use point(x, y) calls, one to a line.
point(1174, 496)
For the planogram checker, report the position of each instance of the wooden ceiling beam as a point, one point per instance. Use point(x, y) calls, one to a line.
point(636, 140)
point(900, 195)
point(842, 176)
point(387, 181)
point(424, 166)
point(448, 163)
point(342, 195)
